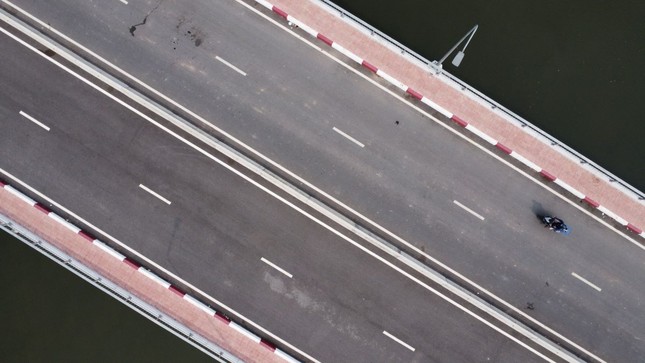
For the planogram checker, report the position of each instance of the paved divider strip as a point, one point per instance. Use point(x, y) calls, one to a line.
point(149, 274)
point(406, 89)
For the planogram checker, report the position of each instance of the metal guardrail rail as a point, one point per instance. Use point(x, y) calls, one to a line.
point(405, 51)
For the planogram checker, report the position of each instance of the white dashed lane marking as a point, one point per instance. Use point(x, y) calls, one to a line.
point(398, 340)
point(153, 193)
point(230, 65)
point(349, 137)
point(468, 210)
point(25, 115)
point(276, 267)
point(585, 281)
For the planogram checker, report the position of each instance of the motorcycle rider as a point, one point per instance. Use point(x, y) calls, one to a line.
point(556, 224)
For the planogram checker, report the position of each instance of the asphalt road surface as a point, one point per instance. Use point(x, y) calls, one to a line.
point(295, 105)
point(216, 229)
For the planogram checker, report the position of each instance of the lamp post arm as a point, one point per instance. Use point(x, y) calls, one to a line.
point(472, 34)
point(473, 30)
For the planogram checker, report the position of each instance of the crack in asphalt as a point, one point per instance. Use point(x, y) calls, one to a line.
point(134, 27)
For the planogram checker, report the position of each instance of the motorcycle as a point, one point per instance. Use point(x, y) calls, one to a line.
point(556, 224)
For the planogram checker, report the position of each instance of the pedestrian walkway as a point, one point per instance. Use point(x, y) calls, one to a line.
point(466, 108)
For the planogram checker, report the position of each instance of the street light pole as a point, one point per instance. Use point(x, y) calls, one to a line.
point(460, 55)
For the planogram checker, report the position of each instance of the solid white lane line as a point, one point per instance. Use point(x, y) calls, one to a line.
point(468, 210)
point(231, 66)
point(276, 267)
point(585, 281)
point(24, 114)
point(153, 193)
point(349, 137)
point(398, 340)
point(125, 2)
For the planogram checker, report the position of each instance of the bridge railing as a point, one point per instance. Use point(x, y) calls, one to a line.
point(482, 98)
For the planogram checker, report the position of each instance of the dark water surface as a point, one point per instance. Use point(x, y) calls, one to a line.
point(573, 68)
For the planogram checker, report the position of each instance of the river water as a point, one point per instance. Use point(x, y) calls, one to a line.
point(573, 68)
